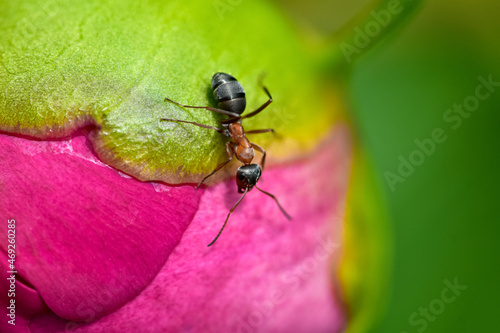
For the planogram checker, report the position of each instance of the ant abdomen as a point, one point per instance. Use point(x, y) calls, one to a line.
point(228, 93)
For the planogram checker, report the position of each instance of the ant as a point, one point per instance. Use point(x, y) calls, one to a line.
point(230, 97)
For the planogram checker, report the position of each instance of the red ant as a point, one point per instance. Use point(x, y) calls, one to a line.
point(230, 97)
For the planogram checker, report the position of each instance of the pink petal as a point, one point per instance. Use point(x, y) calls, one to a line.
point(88, 238)
point(81, 250)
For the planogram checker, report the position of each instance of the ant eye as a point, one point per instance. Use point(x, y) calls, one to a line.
point(241, 176)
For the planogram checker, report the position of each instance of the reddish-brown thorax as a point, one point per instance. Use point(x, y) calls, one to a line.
point(244, 150)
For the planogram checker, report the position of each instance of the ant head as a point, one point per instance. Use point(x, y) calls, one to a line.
point(247, 176)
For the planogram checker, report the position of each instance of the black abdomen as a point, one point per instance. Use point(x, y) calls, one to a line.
point(228, 93)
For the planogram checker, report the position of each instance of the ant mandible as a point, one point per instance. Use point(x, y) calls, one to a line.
point(231, 101)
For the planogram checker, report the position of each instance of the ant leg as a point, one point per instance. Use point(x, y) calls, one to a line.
point(227, 218)
point(260, 131)
point(251, 114)
point(227, 113)
point(230, 153)
point(270, 100)
point(272, 196)
point(193, 123)
point(259, 148)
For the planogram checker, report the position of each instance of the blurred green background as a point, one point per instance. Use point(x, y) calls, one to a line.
point(444, 215)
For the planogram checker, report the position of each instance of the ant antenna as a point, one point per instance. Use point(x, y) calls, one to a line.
point(272, 196)
point(227, 218)
point(260, 79)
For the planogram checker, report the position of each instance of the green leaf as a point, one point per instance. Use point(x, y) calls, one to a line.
point(66, 64)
